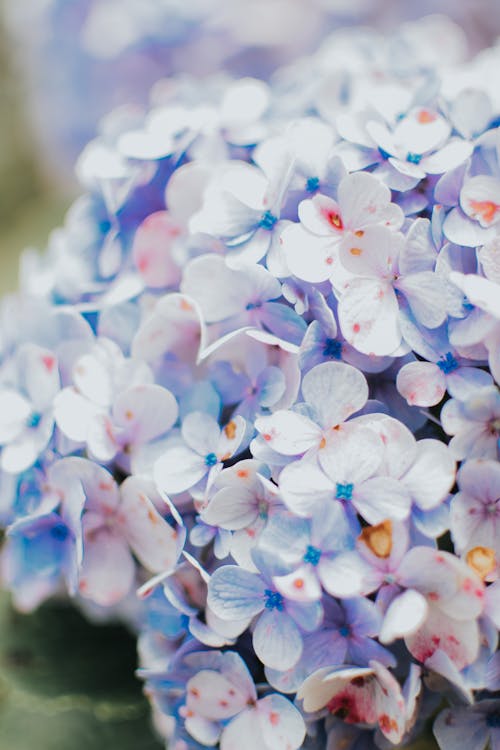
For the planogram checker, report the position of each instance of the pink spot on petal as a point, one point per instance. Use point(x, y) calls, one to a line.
point(274, 718)
point(48, 362)
point(425, 117)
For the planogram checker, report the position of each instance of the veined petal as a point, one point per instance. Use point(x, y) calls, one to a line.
point(288, 432)
point(351, 455)
point(425, 293)
point(276, 640)
point(335, 390)
point(421, 383)
point(234, 593)
point(178, 469)
point(369, 316)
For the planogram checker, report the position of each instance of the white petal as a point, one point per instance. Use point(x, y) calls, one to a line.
point(335, 390)
point(406, 613)
point(288, 432)
point(369, 316)
point(421, 383)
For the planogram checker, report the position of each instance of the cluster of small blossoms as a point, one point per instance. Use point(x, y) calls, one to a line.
point(240, 381)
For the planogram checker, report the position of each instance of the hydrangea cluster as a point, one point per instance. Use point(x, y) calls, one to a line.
point(255, 380)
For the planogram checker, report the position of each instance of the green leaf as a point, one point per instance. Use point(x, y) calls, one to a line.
point(68, 685)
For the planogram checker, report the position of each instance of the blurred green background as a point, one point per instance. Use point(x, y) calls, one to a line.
point(29, 205)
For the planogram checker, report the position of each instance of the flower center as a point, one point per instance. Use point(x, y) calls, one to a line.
point(59, 532)
point(210, 459)
point(344, 631)
point(313, 555)
point(332, 349)
point(312, 184)
point(268, 220)
point(344, 491)
point(33, 420)
point(413, 158)
point(263, 510)
point(448, 363)
point(274, 600)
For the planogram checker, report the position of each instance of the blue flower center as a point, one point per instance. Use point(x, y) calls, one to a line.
point(467, 305)
point(413, 158)
point(274, 600)
point(332, 349)
point(263, 510)
point(448, 363)
point(268, 220)
point(34, 420)
point(59, 532)
point(312, 184)
point(493, 720)
point(344, 491)
point(210, 459)
point(253, 305)
point(313, 555)
point(344, 631)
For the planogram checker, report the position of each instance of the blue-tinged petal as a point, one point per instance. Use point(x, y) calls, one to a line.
point(234, 593)
point(307, 615)
point(179, 468)
point(283, 321)
point(459, 727)
point(277, 640)
point(271, 385)
point(363, 650)
point(230, 383)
